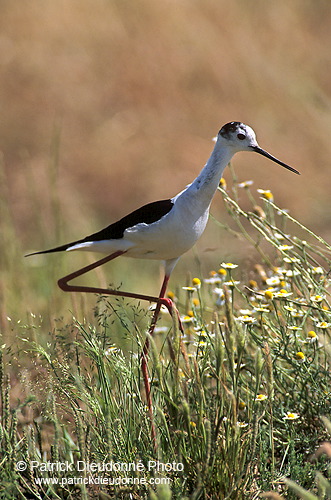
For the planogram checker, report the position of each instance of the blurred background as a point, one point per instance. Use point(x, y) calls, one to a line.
point(110, 104)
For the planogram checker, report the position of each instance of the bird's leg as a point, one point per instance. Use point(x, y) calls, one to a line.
point(63, 282)
point(168, 303)
point(144, 354)
point(65, 286)
point(162, 301)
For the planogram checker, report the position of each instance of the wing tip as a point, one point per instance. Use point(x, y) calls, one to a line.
point(62, 248)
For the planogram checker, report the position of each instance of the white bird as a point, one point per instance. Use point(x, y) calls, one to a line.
point(165, 230)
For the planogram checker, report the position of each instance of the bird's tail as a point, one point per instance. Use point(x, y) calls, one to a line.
point(61, 248)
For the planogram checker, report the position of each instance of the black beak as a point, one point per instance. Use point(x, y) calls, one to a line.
point(262, 152)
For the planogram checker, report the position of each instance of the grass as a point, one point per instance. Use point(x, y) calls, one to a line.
point(71, 386)
point(241, 401)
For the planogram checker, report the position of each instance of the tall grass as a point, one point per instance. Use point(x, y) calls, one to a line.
point(241, 400)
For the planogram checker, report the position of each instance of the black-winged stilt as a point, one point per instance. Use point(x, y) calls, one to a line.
point(166, 229)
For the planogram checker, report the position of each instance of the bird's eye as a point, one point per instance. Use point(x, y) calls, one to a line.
point(241, 137)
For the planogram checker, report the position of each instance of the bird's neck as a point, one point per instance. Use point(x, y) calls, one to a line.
point(205, 185)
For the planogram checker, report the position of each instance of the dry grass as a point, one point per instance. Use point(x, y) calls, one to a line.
point(139, 90)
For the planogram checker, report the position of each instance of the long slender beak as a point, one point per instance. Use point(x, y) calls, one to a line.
point(262, 152)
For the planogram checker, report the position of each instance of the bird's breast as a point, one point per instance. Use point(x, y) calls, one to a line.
point(169, 237)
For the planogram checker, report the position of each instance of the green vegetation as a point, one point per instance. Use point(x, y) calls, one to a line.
point(240, 401)
point(107, 105)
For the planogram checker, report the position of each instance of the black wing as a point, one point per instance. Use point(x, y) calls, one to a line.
point(147, 214)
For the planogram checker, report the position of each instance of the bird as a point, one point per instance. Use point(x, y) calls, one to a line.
point(165, 230)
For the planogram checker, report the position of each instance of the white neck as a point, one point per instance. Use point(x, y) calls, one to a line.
point(204, 186)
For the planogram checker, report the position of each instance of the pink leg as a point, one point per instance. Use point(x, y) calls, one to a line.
point(144, 355)
point(63, 282)
point(169, 305)
point(171, 308)
point(167, 302)
point(161, 300)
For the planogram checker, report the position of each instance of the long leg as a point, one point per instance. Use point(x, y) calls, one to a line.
point(144, 354)
point(161, 300)
point(171, 308)
point(159, 304)
point(64, 285)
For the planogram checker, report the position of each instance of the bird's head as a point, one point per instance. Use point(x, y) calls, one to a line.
point(241, 137)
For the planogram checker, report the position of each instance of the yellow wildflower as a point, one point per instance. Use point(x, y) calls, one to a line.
point(268, 294)
point(267, 194)
point(291, 416)
point(300, 357)
point(261, 397)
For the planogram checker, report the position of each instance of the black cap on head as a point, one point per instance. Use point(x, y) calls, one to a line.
point(229, 129)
